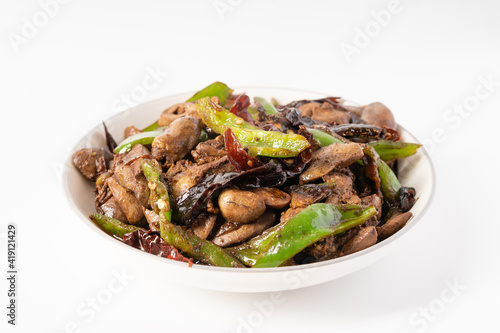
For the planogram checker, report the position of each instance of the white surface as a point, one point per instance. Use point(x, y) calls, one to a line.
point(416, 170)
point(427, 59)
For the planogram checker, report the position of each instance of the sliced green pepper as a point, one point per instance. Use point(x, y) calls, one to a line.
point(390, 150)
point(174, 235)
point(389, 183)
point(218, 89)
point(112, 226)
point(151, 127)
point(259, 142)
point(143, 138)
point(281, 242)
point(268, 107)
point(323, 138)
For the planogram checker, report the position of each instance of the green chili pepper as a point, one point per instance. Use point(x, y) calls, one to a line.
point(259, 142)
point(143, 138)
point(390, 150)
point(323, 138)
point(159, 198)
point(112, 226)
point(203, 136)
point(174, 235)
point(281, 242)
point(253, 111)
point(219, 89)
point(151, 127)
point(270, 109)
point(389, 183)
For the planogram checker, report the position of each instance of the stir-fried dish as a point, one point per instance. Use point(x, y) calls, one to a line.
point(219, 180)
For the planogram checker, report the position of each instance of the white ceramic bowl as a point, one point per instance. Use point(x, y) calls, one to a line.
point(416, 171)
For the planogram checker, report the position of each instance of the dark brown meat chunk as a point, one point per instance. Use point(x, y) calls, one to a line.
point(203, 225)
point(289, 213)
point(128, 203)
point(336, 155)
point(342, 188)
point(247, 230)
point(137, 152)
point(102, 193)
point(325, 112)
point(375, 201)
point(178, 167)
point(365, 238)
point(379, 115)
point(187, 109)
point(130, 130)
point(112, 209)
point(273, 197)
point(131, 177)
point(323, 249)
point(305, 195)
point(153, 219)
point(329, 247)
point(181, 182)
point(176, 140)
point(209, 151)
point(393, 225)
point(91, 162)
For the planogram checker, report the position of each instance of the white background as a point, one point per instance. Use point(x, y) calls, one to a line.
point(69, 72)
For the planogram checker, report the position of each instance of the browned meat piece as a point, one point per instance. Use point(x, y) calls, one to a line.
point(342, 188)
point(203, 225)
point(91, 162)
point(178, 167)
point(323, 249)
point(137, 152)
point(329, 247)
point(393, 225)
point(325, 112)
point(240, 206)
point(305, 195)
point(289, 213)
point(379, 115)
point(247, 230)
point(181, 182)
point(131, 130)
point(355, 110)
point(126, 180)
point(375, 201)
point(365, 238)
point(131, 177)
point(128, 203)
point(111, 208)
point(336, 155)
point(176, 140)
point(273, 197)
point(176, 111)
point(153, 219)
point(226, 227)
point(342, 184)
point(101, 189)
point(209, 151)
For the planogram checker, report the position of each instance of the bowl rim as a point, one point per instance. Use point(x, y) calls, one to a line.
point(68, 167)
